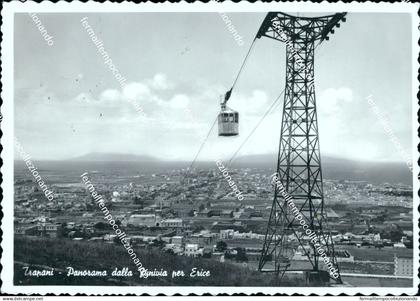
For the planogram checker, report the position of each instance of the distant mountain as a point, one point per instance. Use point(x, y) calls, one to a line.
point(115, 157)
point(342, 169)
point(332, 167)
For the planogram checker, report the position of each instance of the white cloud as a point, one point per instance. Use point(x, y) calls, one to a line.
point(136, 90)
point(254, 104)
point(179, 101)
point(161, 82)
point(177, 122)
point(110, 95)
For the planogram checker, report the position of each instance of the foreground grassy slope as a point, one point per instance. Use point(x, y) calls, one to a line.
point(82, 255)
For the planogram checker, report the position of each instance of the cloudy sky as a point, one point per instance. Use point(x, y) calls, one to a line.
point(68, 103)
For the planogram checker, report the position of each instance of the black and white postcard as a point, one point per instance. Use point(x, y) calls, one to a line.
point(215, 147)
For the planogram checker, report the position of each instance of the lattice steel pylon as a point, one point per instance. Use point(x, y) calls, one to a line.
point(299, 161)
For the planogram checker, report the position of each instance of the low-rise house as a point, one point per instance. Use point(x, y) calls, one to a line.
point(201, 239)
point(177, 240)
point(192, 250)
point(204, 213)
point(226, 214)
point(172, 223)
point(48, 229)
point(399, 245)
point(217, 226)
point(148, 220)
point(226, 234)
point(215, 212)
point(26, 230)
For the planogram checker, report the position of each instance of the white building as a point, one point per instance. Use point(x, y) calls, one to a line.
point(192, 250)
point(174, 223)
point(177, 240)
point(109, 237)
point(226, 234)
point(399, 245)
point(148, 220)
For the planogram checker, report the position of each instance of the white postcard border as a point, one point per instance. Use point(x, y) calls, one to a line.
point(9, 9)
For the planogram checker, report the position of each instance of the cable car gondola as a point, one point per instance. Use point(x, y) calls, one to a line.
point(228, 121)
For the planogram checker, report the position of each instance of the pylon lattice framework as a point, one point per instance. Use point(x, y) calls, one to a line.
point(299, 162)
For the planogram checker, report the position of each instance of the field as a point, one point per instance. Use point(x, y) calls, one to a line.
point(377, 282)
point(371, 254)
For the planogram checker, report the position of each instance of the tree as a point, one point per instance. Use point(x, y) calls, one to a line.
point(100, 226)
point(221, 246)
point(241, 256)
point(63, 230)
point(157, 243)
point(198, 228)
point(393, 232)
point(138, 201)
point(170, 251)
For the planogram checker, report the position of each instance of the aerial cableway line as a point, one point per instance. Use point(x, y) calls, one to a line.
point(299, 161)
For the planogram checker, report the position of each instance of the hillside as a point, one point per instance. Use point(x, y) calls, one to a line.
point(113, 157)
point(342, 169)
point(332, 167)
point(83, 255)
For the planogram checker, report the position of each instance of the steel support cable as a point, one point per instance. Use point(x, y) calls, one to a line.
point(233, 85)
point(228, 93)
point(202, 145)
point(244, 62)
point(266, 113)
point(256, 126)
